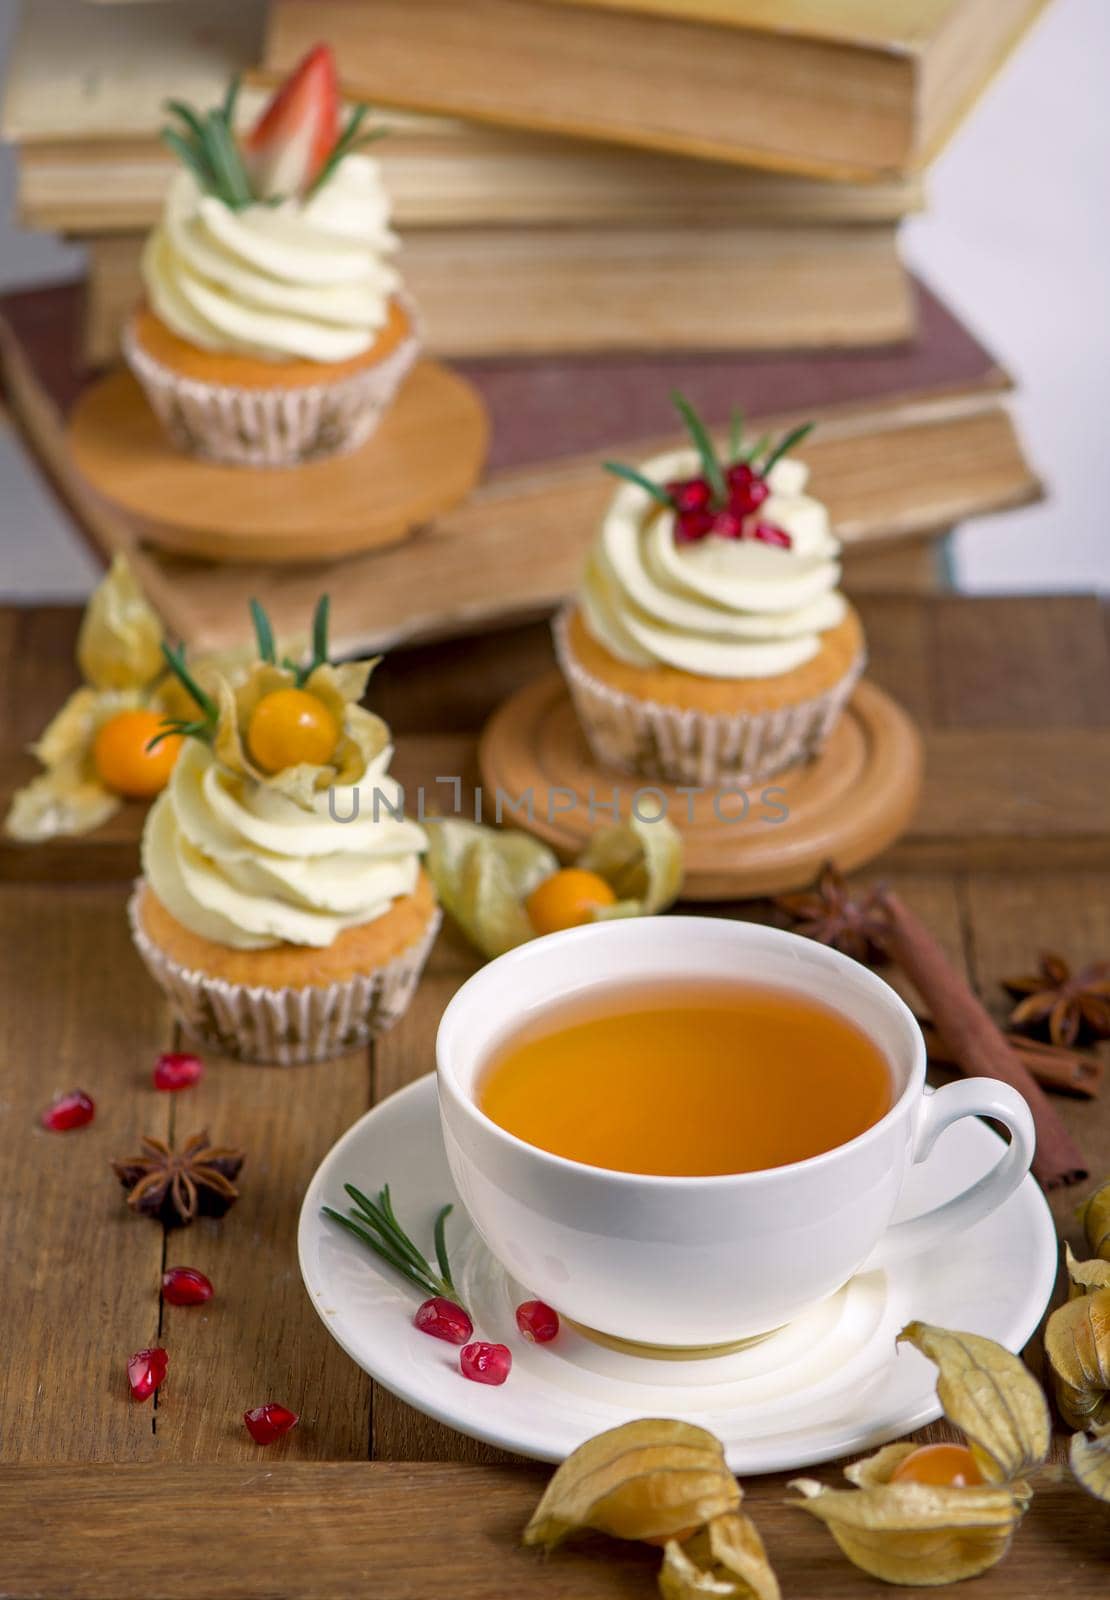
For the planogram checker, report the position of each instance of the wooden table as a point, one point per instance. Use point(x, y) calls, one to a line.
point(103, 1498)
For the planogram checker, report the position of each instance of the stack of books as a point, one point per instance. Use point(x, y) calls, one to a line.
point(616, 179)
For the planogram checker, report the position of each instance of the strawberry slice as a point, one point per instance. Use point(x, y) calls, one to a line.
point(297, 129)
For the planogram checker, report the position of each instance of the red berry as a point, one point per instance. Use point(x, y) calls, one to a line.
point(267, 1423)
point(146, 1371)
point(176, 1071)
point(689, 494)
point(690, 526)
point(728, 525)
point(747, 490)
point(443, 1319)
point(483, 1362)
point(537, 1322)
point(73, 1110)
point(769, 534)
point(185, 1286)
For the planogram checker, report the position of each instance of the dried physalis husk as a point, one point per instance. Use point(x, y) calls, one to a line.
point(921, 1534)
point(651, 1480)
point(1090, 1461)
point(725, 1560)
point(991, 1396)
point(1094, 1214)
point(119, 645)
point(1085, 1277)
point(1077, 1344)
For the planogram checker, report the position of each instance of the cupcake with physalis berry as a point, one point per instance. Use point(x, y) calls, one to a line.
point(283, 907)
point(274, 328)
point(709, 643)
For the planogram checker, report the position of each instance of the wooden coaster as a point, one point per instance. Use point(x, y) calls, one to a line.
point(846, 806)
point(424, 457)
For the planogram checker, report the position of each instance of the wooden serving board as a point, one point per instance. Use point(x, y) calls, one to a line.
point(423, 458)
point(845, 806)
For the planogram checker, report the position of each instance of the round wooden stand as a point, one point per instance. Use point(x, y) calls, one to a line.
point(846, 806)
point(424, 457)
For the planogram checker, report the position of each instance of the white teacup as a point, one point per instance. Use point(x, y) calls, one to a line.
point(702, 1260)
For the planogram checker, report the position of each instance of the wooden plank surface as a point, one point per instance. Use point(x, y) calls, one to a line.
point(329, 1532)
point(311, 1516)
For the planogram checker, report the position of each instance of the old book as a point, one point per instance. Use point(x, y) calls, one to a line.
point(840, 88)
point(909, 442)
point(442, 172)
point(493, 292)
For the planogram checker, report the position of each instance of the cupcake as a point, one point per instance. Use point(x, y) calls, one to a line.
point(274, 329)
point(283, 907)
point(709, 644)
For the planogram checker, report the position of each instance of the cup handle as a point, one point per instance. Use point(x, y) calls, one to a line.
point(983, 1097)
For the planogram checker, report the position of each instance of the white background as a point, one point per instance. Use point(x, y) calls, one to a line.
point(1017, 238)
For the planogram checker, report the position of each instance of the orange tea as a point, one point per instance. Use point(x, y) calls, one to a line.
point(687, 1080)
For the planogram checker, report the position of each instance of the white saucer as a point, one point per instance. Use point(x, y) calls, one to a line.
point(828, 1385)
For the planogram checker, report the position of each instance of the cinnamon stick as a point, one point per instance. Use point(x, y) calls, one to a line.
point(1053, 1066)
point(977, 1044)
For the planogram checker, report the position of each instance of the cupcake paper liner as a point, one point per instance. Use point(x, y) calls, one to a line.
point(285, 1026)
point(270, 427)
point(699, 748)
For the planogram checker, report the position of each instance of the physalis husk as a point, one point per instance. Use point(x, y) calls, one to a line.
point(1094, 1214)
point(650, 1480)
point(923, 1535)
point(1084, 1277)
point(1077, 1344)
point(726, 1560)
point(483, 876)
point(1090, 1461)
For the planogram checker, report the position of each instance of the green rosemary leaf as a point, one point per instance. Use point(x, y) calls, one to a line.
point(381, 1218)
point(711, 466)
point(787, 442)
point(189, 157)
point(320, 629)
point(263, 632)
point(226, 162)
point(379, 1250)
point(735, 433)
point(342, 147)
point(441, 1247)
point(178, 108)
point(231, 98)
point(619, 470)
point(757, 449)
point(175, 660)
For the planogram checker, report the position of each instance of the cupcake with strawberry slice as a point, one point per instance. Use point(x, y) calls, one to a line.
point(709, 643)
point(274, 329)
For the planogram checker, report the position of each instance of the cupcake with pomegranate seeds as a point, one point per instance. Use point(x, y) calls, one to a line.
point(709, 643)
point(274, 329)
point(283, 908)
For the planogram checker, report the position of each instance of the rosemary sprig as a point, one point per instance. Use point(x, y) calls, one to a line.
point(375, 1223)
point(711, 465)
point(209, 149)
point(656, 490)
point(263, 632)
point(202, 727)
point(348, 141)
point(787, 442)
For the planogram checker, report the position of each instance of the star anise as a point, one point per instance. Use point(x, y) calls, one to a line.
point(854, 923)
point(1069, 1007)
point(176, 1187)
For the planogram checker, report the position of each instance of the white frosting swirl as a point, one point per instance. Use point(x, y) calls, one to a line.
point(282, 282)
point(718, 608)
point(242, 864)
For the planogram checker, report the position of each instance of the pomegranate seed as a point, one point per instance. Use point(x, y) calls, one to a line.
point(728, 525)
point(690, 494)
point(443, 1319)
point(769, 534)
point(483, 1362)
point(267, 1423)
point(185, 1286)
point(747, 490)
point(537, 1322)
point(146, 1371)
point(174, 1071)
point(73, 1110)
point(690, 526)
